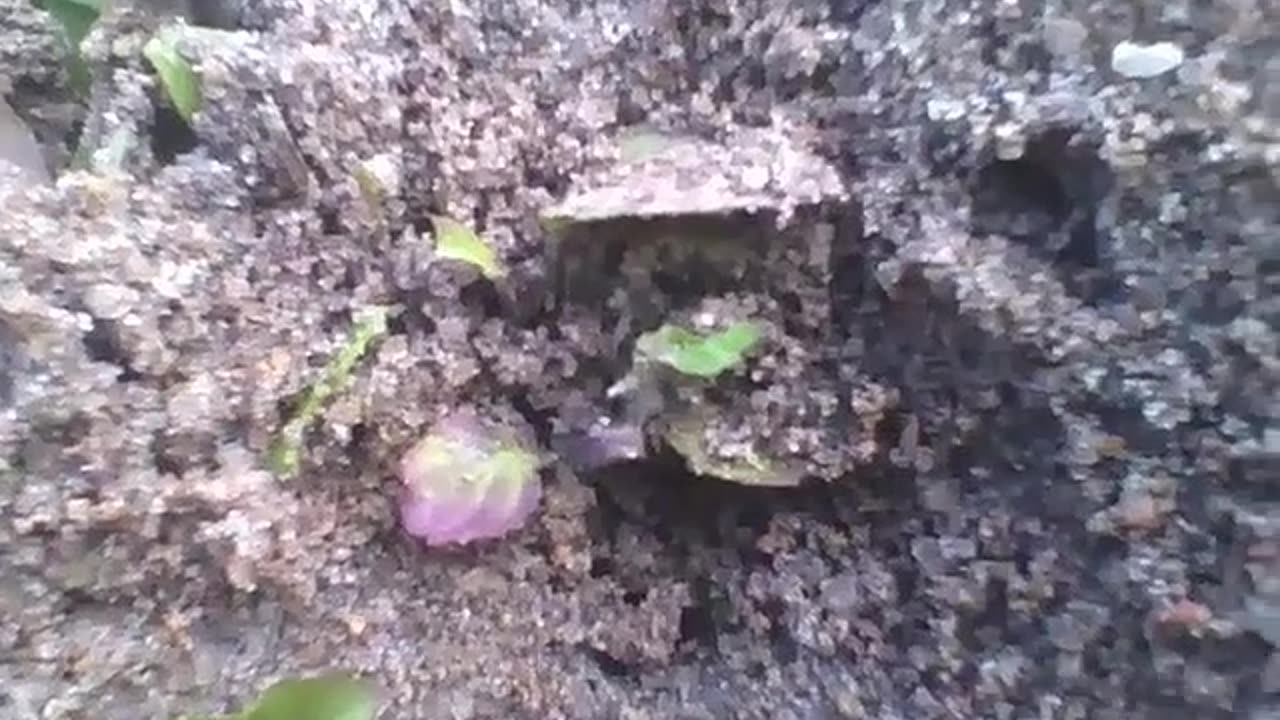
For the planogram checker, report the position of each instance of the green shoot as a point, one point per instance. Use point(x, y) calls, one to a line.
point(284, 457)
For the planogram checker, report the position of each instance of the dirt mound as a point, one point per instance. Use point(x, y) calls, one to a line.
point(1017, 374)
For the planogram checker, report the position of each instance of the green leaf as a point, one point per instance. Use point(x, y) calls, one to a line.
point(326, 697)
point(78, 73)
point(285, 455)
point(76, 19)
point(699, 355)
point(179, 79)
point(75, 16)
point(456, 241)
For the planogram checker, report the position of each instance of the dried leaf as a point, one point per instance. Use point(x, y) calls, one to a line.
point(687, 435)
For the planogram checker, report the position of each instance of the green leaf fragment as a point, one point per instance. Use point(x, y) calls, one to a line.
point(76, 18)
point(326, 697)
point(699, 355)
point(175, 73)
point(78, 73)
point(370, 187)
point(284, 456)
point(377, 178)
point(456, 241)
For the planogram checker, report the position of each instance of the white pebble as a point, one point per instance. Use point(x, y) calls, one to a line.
point(1145, 61)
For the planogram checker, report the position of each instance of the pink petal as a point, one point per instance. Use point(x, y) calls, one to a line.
point(503, 510)
point(456, 489)
point(424, 517)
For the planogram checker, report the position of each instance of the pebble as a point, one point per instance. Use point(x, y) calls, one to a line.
point(1133, 60)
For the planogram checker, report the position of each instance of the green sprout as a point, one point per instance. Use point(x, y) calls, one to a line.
point(331, 696)
point(371, 190)
point(284, 456)
point(699, 355)
point(327, 697)
point(455, 241)
point(176, 74)
point(75, 18)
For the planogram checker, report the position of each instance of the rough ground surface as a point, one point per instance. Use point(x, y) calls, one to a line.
point(1040, 365)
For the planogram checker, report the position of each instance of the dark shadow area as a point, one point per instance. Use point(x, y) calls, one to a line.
point(171, 136)
point(684, 257)
point(661, 495)
point(1048, 200)
point(220, 14)
point(102, 344)
point(1023, 199)
point(658, 524)
point(10, 363)
point(55, 118)
point(608, 664)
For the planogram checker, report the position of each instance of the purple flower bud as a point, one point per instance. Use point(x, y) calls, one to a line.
point(467, 480)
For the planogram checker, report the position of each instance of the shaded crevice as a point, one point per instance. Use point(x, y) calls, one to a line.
point(103, 344)
point(360, 447)
point(661, 494)
point(661, 252)
point(176, 453)
point(411, 319)
point(1022, 199)
point(608, 664)
point(541, 420)
point(699, 624)
point(853, 286)
point(1048, 200)
point(171, 136)
point(850, 12)
point(11, 363)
